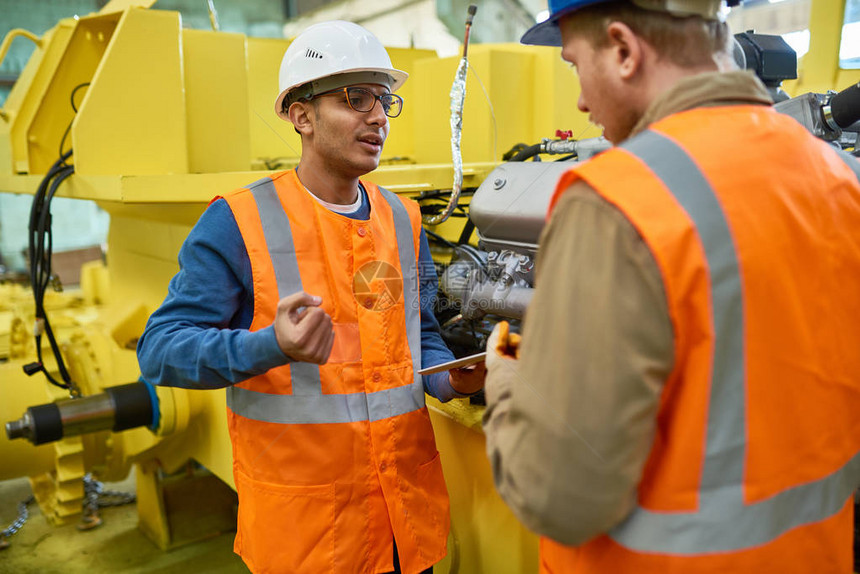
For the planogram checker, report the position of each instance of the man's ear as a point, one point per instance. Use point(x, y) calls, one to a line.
point(627, 49)
point(300, 115)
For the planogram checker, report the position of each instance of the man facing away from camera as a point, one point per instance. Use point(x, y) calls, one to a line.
point(685, 396)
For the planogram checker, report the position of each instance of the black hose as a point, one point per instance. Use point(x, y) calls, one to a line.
point(527, 152)
point(40, 248)
point(845, 106)
point(439, 239)
point(466, 234)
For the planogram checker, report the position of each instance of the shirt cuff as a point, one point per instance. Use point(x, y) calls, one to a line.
point(439, 385)
point(263, 345)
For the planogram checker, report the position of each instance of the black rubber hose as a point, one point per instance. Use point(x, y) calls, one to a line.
point(527, 152)
point(845, 106)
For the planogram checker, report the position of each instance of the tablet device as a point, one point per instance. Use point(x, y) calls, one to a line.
point(455, 364)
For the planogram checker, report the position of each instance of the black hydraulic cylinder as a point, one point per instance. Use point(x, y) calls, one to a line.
point(117, 409)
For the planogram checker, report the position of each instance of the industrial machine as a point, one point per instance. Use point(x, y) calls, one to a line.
point(117, 107)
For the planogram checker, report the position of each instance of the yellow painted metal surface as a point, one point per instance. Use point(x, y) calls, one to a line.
point(80, 58)
point(201, 188)
point(405, 136)
point(487, 538)
point(273, 142)
point(216, 83)
point(25, 101)
point(187, 507)
point(132, 120)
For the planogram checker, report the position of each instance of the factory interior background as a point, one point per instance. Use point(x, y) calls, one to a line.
point(163, 518)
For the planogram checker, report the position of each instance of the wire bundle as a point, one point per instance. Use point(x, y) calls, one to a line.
point(40, 248)
point(40, 245)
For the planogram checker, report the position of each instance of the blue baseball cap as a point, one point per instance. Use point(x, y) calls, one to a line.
point(546, 33)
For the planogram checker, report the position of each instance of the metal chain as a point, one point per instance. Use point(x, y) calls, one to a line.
point(97, 497)
point(23, 514)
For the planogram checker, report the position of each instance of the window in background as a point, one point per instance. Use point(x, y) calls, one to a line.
point(799, 41)
point(849, 49)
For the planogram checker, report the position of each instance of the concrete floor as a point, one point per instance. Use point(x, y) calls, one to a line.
point(117, 546)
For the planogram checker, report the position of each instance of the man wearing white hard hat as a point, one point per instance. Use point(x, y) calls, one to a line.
point(685, 395)
point(309, 296)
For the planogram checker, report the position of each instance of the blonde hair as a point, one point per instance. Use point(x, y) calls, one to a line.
point(686, 41)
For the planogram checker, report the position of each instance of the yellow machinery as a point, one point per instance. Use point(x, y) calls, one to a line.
point(161, 119)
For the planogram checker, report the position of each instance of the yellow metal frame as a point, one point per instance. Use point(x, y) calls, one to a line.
point(133, 117)
point(7, 43)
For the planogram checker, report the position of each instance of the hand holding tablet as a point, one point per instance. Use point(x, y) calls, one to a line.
point(455, 364)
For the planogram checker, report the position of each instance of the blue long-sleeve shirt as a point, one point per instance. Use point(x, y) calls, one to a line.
point(199, 337)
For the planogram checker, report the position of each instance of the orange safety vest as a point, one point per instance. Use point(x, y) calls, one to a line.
point(755, 227)
point(331, 461)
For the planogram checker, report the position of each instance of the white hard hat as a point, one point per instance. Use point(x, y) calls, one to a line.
point(331, 55)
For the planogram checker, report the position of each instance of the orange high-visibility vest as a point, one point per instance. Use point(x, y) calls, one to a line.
point(331, 461)
point(755, 227)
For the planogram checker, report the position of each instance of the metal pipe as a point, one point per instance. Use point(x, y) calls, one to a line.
point(14, 33)
point(458, 98)
point(213, 17)
point(4, 49)
point(583, 149)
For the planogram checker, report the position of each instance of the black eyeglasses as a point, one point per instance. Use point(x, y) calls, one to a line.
point(363, 100)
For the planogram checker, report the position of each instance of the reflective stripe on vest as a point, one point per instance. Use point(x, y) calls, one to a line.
point(723, 522)
point(279, 240)
point(307, 404)
point(409, 269)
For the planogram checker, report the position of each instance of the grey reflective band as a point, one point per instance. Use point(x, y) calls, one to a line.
point(726, 430)
point(326, 409)
point(723, 522)
point(852, 162)
point(279, 237)
point(409, 270)
point(307, 404)
point(279, 241)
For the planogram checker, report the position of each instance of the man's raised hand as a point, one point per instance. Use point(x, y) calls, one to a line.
point(303, 330)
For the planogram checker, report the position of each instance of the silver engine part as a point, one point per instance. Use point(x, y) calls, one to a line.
point(509, 211)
